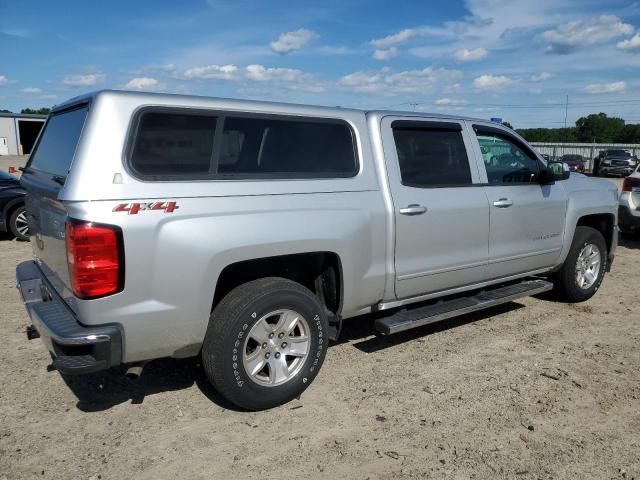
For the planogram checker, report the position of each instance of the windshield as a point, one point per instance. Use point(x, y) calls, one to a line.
point(618, 153)
point(57, 144)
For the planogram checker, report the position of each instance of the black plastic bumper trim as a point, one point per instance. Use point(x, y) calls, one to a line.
point(76, 348)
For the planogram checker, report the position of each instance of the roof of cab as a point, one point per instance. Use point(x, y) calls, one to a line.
point(157, 98)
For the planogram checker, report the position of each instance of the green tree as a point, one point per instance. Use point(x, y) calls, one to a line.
point(630, 134)
point(6, 111)
point(40, 111)
point(599, 128)
point(507, 124)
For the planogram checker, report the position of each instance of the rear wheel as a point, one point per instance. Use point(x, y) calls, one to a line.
point(583, 270)
point(265, 343)
point(18, 223)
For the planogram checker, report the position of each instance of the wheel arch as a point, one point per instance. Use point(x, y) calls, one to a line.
point(320, 271)
point(603, 222)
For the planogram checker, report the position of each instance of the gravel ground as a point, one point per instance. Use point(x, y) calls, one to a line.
point(529, 390)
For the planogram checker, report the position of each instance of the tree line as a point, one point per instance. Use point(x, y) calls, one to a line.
point(31, 111)
point(594, 128)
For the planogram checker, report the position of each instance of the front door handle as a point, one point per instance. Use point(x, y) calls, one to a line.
point(503, 203)
point(413, 209)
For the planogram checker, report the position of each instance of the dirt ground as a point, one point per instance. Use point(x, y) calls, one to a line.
point(530, 390)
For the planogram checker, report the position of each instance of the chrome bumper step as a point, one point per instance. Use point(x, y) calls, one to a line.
point(487, 298)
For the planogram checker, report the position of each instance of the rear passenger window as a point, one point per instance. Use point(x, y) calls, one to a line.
point(432, 157)
point(171, 144)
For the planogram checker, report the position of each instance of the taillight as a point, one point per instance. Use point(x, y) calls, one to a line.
point(630, 183)
point(95, 258)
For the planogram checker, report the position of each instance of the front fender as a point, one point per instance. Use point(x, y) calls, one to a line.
point(589, 197)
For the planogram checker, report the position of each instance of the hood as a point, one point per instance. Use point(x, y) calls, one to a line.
point(7, 181)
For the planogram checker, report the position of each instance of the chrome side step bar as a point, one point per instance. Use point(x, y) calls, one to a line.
point(407, 319)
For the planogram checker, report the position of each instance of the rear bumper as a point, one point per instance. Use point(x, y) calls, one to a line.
point(75, 348)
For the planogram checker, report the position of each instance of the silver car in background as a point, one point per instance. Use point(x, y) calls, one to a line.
point(629, 210)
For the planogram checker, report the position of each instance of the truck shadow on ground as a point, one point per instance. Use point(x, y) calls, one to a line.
point(357, 330)
point(104, 390)
point(629, 242)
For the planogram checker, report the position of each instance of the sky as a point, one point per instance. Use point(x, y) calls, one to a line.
point(513, 59)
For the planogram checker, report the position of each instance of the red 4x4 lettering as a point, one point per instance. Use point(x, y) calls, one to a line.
point(134, 208)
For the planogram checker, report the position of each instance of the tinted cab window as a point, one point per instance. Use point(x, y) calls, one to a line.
point(431, 156)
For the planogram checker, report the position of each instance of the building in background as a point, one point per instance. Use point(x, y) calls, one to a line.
point(18, 132)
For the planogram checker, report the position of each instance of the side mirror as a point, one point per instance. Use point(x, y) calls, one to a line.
point(555, 172)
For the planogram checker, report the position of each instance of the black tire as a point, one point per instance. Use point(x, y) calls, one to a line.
point(565, 283)
point(15, 223)
point(228, 333)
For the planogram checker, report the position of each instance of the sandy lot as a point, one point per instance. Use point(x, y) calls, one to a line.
point(466, 398)
point(15, 161)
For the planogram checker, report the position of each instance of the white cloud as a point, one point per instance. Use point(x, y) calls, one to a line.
point(450, 30)
point(541, 77)
point(291, 41)
point(289, 78)
point(577, 34)
point(409, 81)
point(87, 80)
point(260, 73)
point(450, 101)
point(396, 39)
point(492, 82)
point(632, 45)
point(142, 83)
point(387, 54)
point(466, 55)
point(3, 80)
point(212, 72)
point(49, 96)
point(362, 82)
point(15, 32)
point(613, 87)
point(31, 90)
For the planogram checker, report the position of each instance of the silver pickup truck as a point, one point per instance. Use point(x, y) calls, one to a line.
point(246, 232)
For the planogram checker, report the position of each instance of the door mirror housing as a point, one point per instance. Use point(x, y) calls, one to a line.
point(555, 172)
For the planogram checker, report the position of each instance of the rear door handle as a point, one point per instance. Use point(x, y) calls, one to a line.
point(413, 209)
point(503, 203)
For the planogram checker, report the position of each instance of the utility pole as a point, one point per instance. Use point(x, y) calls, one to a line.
point(566, 108)
point(414, 106)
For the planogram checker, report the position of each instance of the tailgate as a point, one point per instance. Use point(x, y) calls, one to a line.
point(43, 178)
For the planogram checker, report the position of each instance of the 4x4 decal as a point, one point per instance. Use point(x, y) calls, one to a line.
point(134, 208)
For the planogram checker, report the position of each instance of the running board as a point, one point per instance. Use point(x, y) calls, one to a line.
point(407, 319)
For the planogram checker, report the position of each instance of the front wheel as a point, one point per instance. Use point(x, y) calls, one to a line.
point(265, 343)
point(583, 270)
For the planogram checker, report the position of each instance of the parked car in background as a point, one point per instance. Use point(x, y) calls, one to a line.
point(614, 162)
point(13, 218)
point(629, 209)
point(575, 162)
